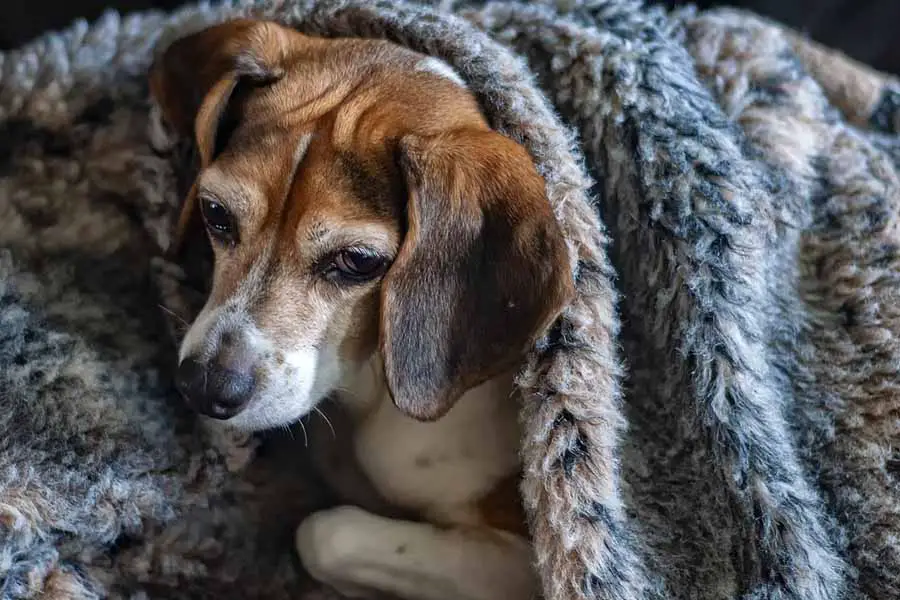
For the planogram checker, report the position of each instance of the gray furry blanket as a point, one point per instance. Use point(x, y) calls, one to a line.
point(715, 416)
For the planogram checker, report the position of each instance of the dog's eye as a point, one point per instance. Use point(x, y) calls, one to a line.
point(359, 264)
point(219, 221)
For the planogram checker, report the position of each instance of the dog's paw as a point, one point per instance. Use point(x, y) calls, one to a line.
point(327, 543)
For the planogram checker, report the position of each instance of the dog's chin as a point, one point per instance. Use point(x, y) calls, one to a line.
point(276, 412)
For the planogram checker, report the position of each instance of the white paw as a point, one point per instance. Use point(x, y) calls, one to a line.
point(328, 543)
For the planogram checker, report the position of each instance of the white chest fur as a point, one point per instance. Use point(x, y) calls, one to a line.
point(444, 467)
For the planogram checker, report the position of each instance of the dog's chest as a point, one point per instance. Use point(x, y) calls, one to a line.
point(442, 468)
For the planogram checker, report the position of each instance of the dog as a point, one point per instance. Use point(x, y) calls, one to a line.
point(376, 241)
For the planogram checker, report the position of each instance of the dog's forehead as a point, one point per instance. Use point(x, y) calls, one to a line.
point(257, 163)
point(348, 184)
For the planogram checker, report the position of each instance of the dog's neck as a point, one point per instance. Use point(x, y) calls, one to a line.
point(364, 389)
point(442, 469)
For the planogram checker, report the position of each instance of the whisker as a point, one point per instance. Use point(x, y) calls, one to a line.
point(305, 438)
point(327, 420)
point(174, 315)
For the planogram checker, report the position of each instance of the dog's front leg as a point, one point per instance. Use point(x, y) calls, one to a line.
point(354, 551)
point(334, 459)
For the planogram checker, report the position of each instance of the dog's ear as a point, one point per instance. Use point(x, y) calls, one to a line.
point(197, 79)
point(482, 272)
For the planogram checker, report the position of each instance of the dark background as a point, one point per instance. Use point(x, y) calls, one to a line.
point(865, 29)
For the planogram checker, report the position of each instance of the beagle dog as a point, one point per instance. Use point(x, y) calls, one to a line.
point(374, 241)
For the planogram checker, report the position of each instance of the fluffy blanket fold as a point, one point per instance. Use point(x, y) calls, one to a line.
point(715, 416)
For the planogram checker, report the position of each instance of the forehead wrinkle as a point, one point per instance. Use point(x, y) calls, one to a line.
point(299, 154)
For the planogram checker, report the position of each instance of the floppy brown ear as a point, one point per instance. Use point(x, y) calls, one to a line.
point(197, 78)
point(482, 272)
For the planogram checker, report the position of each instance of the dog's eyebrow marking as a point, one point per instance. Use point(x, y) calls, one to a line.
point(317, 232)
point(361, 233)
point(439, 67)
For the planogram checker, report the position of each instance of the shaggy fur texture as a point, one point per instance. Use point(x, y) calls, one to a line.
point(714, 416)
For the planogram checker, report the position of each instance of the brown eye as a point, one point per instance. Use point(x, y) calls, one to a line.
point(219, 221)
point(359, 264)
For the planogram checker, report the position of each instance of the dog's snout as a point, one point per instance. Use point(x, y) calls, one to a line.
point(213, 389)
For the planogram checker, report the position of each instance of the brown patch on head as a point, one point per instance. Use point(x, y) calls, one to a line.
point(369, 181)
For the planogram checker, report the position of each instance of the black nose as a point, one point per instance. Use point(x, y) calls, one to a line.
point(213, 390)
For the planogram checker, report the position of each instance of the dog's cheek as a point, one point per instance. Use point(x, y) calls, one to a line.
point(359, 323)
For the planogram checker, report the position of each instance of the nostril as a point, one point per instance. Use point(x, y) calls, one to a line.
point(189, 377)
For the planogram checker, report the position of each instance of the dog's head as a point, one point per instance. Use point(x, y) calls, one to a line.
point(357, 202)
